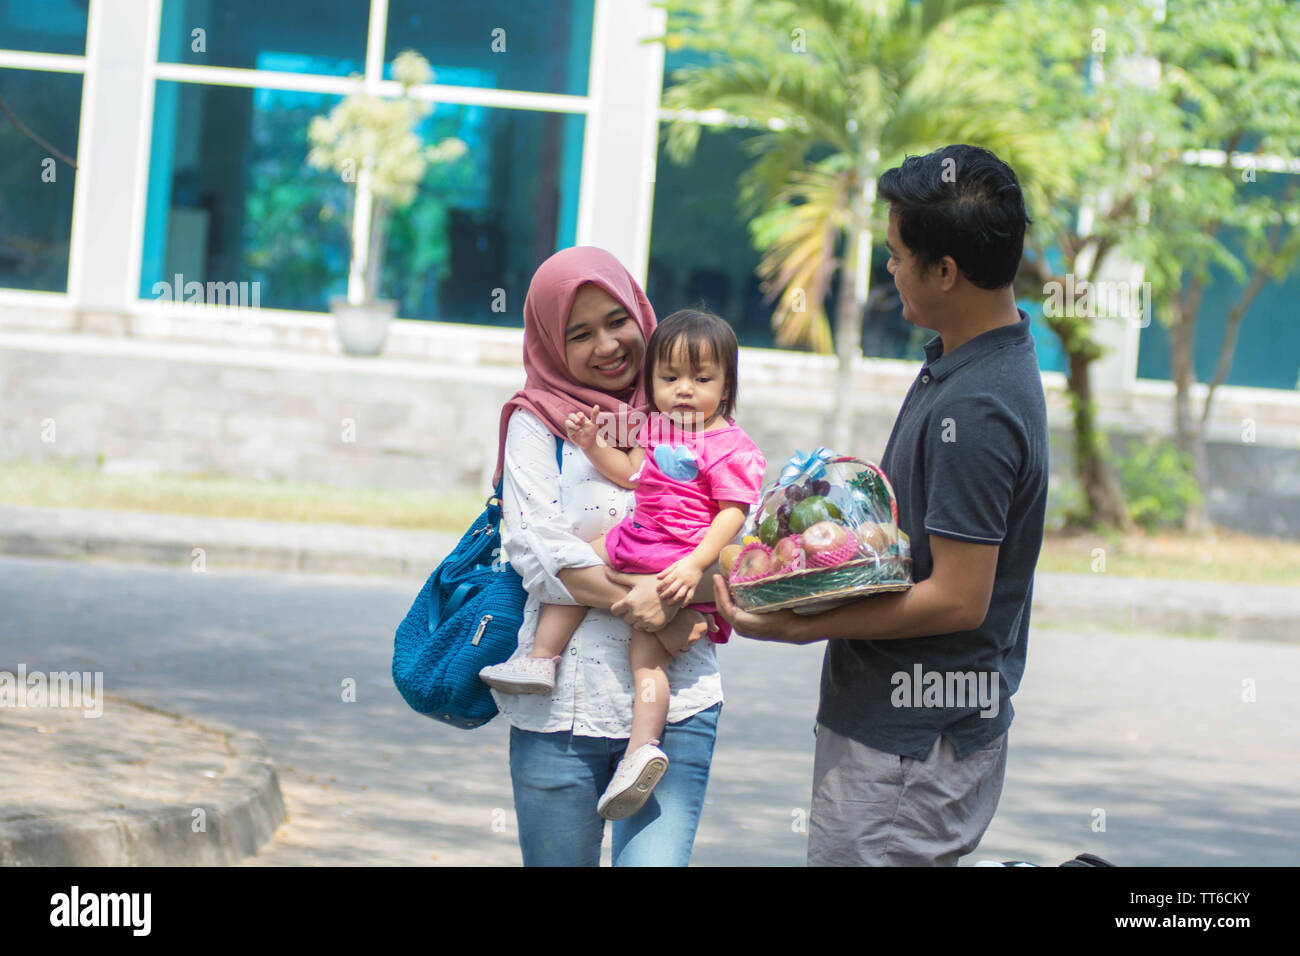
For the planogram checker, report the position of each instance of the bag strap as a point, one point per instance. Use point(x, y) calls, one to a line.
point(458, 597)
point(494, 503)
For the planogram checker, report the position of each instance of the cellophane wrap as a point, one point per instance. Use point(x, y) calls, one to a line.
point(825, 533)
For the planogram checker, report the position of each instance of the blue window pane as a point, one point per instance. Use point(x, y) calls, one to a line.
point(36, 186)
point(700, 249)
point(485, 222)
point(541, 46)
point(232, 199)
point(701, 253)
point(321, 36)
point(52, 26)
point(1267, 353)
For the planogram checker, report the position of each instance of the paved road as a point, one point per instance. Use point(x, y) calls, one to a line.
point(1154, 731)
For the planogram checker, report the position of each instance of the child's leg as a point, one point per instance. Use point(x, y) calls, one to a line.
point(555, 626)
point(650, 689)
point(557, 622)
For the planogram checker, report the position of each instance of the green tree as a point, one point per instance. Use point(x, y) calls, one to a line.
point(1131, 93)
point(840, 90)
point(1230, 85)
point(1080, 72)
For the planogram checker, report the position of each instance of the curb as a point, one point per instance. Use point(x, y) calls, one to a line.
point(241, 814)
point(1250, 612)
point(225, 543)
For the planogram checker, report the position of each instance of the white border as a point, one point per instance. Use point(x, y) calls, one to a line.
point(372, 82)
point(584, 223)
point(143, 153)
point(51, 62)
point(84, 157)
point(63, 63)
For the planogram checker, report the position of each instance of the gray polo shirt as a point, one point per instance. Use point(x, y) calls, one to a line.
point(968, 459)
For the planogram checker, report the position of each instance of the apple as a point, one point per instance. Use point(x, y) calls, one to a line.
point(788, 555)
point(873, 537)
point(829, 543)
point(753, 561)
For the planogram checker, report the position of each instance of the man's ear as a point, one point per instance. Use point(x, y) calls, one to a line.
point(947, 273)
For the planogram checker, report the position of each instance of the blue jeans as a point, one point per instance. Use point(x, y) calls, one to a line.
point(558, 778)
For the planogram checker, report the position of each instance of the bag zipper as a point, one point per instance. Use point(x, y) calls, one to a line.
point(482, 623)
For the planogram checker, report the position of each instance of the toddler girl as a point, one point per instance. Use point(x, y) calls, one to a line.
point(695, 473)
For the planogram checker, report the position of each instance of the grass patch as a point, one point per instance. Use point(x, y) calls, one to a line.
point(67, 485)
point(1227, 556)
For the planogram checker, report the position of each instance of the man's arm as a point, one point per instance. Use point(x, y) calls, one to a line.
point(955, 597)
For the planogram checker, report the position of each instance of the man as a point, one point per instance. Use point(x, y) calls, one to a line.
point(916, 686)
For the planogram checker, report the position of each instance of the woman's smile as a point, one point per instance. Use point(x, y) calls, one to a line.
point(604, 346)
point(614, 367)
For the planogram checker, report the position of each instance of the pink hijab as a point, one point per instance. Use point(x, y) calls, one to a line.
point(550, 392)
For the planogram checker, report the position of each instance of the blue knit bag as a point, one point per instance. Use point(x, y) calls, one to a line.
point(465, 618)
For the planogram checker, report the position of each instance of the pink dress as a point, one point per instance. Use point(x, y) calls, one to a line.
point(685, 475)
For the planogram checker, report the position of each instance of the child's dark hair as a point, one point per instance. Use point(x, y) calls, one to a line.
point(704, 334)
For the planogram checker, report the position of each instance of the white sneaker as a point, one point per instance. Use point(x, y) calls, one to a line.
point(523, 675)
point(633, 781)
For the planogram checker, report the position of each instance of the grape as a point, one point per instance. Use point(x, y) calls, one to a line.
point(782, 526)
point(795, 493)
point(783, 512)
point(821, 487)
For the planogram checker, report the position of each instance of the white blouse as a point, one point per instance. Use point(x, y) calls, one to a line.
point(546, 521)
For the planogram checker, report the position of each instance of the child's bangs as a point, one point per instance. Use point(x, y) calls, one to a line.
point(699, 346)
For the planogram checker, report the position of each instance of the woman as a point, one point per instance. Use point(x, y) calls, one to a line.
point(586, 324)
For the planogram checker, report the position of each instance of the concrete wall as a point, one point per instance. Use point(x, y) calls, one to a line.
point(273, 400)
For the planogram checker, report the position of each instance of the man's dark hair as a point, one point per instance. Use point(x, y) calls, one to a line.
point(964, 202)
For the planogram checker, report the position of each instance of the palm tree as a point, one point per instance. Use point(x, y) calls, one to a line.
point(840, 90)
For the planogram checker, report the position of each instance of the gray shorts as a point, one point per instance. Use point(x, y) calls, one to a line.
point(871, 808)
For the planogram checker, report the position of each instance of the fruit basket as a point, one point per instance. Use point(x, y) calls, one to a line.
point(825, 533)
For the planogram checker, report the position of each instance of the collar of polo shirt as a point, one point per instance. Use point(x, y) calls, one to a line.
point(939, 366)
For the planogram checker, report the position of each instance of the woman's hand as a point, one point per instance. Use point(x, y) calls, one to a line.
point(641, 608)
point(681, 633)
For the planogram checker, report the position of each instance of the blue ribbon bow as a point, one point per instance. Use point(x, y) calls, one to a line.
point(810, 465)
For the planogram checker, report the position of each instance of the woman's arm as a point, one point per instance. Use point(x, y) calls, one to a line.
point(537, 541)
point(536, 536)
point(636, 595)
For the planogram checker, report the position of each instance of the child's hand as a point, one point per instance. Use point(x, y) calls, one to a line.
point(678, 581)
point(581, 429)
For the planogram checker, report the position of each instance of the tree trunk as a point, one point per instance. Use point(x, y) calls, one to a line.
point(1103, 498)
point(1105, 501)
point(1180, 360)
point(1227, 348)
point(379, 220)
point(848, 322)
point(1189, 436)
